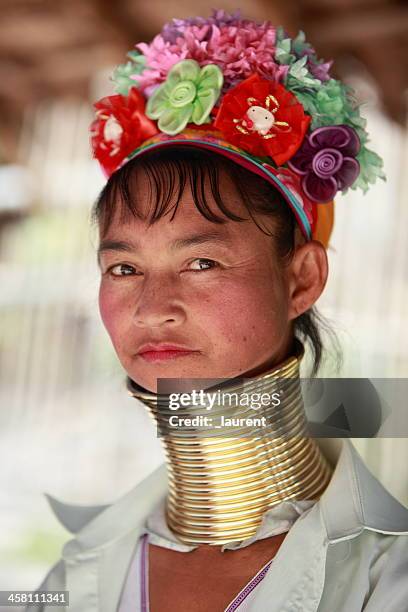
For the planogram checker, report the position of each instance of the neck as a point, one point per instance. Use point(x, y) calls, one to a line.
point(219, 486)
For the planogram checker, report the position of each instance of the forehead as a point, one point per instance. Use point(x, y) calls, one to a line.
point(180, 209)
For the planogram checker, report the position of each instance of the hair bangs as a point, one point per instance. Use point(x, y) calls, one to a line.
point(168, 173)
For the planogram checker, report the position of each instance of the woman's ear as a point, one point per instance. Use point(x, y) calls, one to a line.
point(307, 276)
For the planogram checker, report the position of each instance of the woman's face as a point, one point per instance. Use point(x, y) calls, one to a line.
point(216, 290)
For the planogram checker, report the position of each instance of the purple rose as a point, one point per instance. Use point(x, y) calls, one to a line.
point(327, 161)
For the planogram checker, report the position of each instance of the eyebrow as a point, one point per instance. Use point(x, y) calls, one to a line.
point(177, 244)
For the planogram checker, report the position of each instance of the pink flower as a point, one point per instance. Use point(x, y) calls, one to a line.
point(239, 47)
point(160, 57)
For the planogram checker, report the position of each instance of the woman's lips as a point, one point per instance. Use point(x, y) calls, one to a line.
point(164, 355)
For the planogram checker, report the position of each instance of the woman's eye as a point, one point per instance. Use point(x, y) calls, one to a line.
point(122, 270)
point(200, 262)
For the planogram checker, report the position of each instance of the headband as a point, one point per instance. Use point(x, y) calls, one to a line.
point(248, 91)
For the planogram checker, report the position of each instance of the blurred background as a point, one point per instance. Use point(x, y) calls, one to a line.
point(67, 425)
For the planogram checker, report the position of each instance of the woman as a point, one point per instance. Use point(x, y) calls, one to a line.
point(224, 150)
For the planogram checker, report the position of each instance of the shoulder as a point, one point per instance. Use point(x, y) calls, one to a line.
point(126, 511)
point(367, 572)
point(388, 574)
point(53, 581)
point(111, 528)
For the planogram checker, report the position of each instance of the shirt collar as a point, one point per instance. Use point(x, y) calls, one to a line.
point(276, 520)
point(354, 500)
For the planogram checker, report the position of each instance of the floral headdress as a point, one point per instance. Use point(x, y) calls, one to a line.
point(249, 91)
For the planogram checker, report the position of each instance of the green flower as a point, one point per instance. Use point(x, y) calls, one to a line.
point(122, 73)
point(331, 103)
point(188, 95)
point(307, 99)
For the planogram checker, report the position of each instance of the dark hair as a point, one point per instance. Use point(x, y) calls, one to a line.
point(167, 171)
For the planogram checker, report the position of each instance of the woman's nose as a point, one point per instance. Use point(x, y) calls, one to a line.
point(159, 303)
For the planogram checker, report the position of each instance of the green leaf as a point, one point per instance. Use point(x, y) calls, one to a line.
point(280, 33)
point(137, 58)
point(299, 72)
point(122, 74)
point(121, 78)
point(282, 52)
point(371, 169)
point(299, 44)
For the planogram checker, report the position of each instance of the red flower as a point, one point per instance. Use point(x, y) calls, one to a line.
point(120, 127)
point(263, 118)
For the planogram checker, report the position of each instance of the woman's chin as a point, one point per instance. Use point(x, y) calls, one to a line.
point(175, 377)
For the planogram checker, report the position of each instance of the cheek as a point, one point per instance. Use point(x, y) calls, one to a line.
point(246, 317)
point(112, 314)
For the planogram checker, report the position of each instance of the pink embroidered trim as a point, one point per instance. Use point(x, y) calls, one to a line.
point(144, 565)
point(242, 595)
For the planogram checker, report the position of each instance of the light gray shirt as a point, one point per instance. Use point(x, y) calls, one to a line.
point(345, 553)
point(276, 520)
